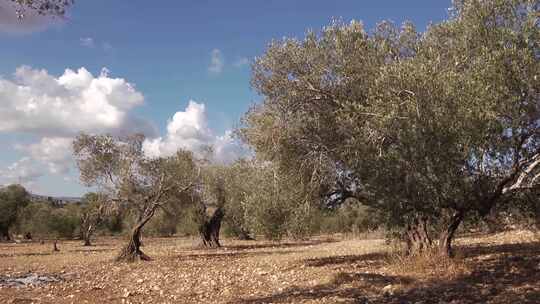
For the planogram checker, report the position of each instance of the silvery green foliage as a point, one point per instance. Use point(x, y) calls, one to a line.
point(428, 123)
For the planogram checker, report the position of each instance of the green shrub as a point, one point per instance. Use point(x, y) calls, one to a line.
point(45, 221)
point(162, 224)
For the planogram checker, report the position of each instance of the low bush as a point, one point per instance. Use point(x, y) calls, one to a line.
point(428, 264)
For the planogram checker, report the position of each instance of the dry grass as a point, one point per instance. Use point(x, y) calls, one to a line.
point(503, 268)
point(428, 265)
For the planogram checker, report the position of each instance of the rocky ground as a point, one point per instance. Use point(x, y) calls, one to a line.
point(502, 268)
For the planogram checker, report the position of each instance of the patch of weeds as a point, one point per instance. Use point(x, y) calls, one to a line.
point(428, 264)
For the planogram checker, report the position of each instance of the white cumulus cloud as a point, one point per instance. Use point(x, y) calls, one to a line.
point(22, 171)
point(54, 109)
point(38, 103)
point(216, 62)
point(189, 130)
point(55, 152)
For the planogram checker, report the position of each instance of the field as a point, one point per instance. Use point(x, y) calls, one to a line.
point(500, 268)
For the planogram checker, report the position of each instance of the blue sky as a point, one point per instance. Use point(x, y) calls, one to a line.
point(171, 52)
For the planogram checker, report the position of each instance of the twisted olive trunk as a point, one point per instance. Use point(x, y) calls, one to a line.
point(209, 229)
point(447, 235)
point(418, 240)
point(132, 251)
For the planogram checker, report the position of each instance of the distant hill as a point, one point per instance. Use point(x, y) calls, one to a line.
point(57, 200)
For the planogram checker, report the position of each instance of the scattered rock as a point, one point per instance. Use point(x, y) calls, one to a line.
point(29, 279)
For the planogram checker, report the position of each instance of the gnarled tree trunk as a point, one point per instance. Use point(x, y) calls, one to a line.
point(209, 229)
point(447, 235)
point(417, 236)
point(418, 240)
point(132, 251)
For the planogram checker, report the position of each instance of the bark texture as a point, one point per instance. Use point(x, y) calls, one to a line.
point(132, 251)
point(447, 235)
point(210, 227)
point(417, 237)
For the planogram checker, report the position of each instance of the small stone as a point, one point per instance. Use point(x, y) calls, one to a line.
point(388, 290)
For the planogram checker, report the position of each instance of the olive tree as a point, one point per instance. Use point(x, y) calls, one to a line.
point(238, 184)
point(222, 198)
point(431, 126)
point(251, 198)
point(270, 202)
point(211, 209)
point(119, 167)
point(92, 214)
point(13, 198)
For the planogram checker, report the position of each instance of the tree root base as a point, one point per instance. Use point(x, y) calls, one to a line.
point(130, 254)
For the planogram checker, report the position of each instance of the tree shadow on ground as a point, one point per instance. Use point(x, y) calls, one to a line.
point(507, 273)
point(369, 258)
point(277, 245)
point(25, 254)
point(229, 255)
point(339, 290)
point(91, 250)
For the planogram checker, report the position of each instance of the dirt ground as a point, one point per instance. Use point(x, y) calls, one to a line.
point(501, 268)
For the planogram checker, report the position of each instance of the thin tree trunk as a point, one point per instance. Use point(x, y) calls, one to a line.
point(447, 235)
point(209, 229)
point(132, 251)
point(87, 234)
point(89, 224)
point(87, 241)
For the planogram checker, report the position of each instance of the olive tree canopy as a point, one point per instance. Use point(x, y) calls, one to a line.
point(430, 126)
point(12, 199)
point(120, 169)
